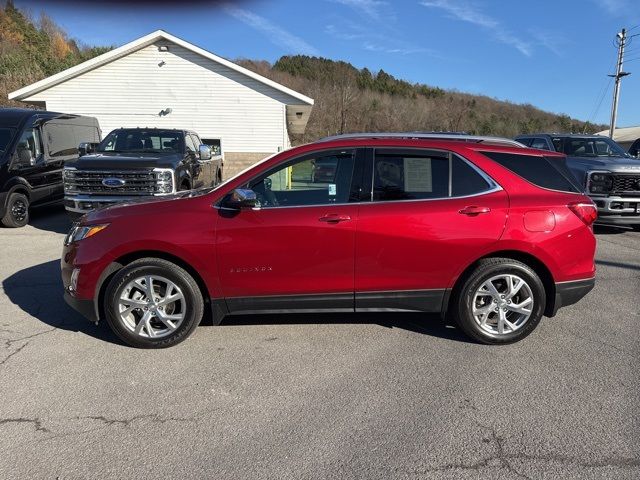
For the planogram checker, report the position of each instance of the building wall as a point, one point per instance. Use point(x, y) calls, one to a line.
point(213, 100)
point(235, 162)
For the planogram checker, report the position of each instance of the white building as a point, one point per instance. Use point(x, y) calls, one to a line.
point(160, 80)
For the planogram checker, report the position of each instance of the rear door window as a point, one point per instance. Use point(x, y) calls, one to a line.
point(551, 173)
point(423, 175)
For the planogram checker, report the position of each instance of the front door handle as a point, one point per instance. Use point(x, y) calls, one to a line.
point(334, 218)
point(474, 210)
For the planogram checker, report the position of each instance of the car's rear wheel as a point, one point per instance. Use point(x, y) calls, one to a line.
point(501, 301)
point(17, 213)
point(153, 303)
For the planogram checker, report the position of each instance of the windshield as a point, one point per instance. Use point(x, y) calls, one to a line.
point(142, 141)
point(592, 147)
point(6, 134)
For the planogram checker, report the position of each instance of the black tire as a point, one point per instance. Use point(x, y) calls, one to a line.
point(17, 213)
point(194, 304)
point(463, 297)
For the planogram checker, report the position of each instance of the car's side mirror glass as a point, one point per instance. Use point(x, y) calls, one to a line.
point(241, 198)
point(204, 152)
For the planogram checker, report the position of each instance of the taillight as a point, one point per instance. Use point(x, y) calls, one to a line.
point(587, 212)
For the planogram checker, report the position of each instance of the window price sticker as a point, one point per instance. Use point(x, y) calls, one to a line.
point(332, 189)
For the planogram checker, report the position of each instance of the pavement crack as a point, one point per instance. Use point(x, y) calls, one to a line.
point(128, 421)
point(15, 352)
point(36, 422)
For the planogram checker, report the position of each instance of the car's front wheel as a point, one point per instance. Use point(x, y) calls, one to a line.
point(501, 301)
point(153, 303)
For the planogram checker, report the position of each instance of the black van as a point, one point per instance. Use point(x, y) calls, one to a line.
point(33, 148)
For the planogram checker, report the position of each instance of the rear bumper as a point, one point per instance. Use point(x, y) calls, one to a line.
point(568, 293)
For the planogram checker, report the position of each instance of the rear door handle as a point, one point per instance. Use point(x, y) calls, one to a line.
point(334, 218)
point(474, 210)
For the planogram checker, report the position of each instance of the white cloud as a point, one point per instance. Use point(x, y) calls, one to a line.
point(374, 42)
point(467, 12)
point(276, 34)
point(615, 7)
point(371, 8)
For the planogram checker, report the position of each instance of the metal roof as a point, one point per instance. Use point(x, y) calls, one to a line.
point(449, 136)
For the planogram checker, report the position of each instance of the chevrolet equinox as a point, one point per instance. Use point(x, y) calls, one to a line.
point(488, 233)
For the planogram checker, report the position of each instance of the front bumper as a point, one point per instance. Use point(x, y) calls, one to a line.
point(82, 204)
point(618, 210)
point(568, 293)
point(85, 307)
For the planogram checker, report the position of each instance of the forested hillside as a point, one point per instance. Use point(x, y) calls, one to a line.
point(352, 100)
point(31, 50)
point(347, 99)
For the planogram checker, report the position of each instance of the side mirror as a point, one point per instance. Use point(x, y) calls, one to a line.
point(205, 152)
point(86, 148)
point(241, 198)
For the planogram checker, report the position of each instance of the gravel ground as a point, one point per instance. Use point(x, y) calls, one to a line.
point(316, 396)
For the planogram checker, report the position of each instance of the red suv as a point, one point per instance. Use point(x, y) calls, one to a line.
point(482, 230)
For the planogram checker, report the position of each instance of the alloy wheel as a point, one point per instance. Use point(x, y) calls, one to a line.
point(502, 304)
point(151, 306)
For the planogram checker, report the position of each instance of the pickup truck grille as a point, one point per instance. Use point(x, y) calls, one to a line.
point(626, 184)
point(89, 182)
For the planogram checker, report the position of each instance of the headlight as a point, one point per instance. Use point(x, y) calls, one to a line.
point(78, 232)
point(68, 173)
point(600, 183)
point(164, 181)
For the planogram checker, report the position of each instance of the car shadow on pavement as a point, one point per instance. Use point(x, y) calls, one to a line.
point(610, 229)
point(38, 291)
point(51, 219)
point(423, 323)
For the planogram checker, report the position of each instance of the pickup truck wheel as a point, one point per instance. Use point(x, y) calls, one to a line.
point(17, 213)
point(501, 301)
point(153, 303)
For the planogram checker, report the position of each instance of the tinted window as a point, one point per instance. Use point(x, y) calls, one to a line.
point(540, 143)
point(635, 149)
point(465, 180)
point(428, 175)
point(319, 180)
point(551, 173)
point(525, 140)
point(28, 148)
point(409, 176)
point(61, 140)
point(6, 134)
point(592, 147)
point(138, 140)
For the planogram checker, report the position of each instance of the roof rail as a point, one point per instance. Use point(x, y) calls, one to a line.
point(460, 137)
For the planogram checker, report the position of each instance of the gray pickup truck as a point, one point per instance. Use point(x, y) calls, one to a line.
point(609, 175)
point(132, 164)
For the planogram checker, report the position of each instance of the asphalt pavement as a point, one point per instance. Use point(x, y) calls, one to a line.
point(368, 396)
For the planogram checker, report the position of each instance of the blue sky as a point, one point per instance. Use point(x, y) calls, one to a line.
point(552, 54)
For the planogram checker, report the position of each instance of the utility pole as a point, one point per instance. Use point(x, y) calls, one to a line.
point(621, 39)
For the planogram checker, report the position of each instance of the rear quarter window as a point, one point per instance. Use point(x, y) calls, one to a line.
point(546, 172)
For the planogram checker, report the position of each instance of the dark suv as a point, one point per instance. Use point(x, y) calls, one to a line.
point(609, 175)
point(133, 163)
point(34, 145)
